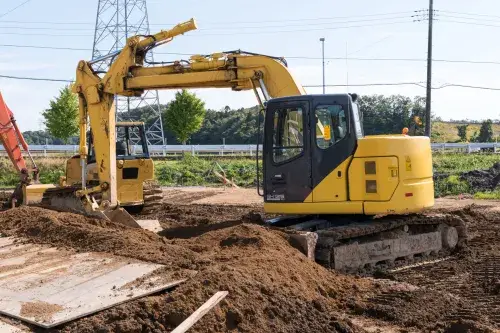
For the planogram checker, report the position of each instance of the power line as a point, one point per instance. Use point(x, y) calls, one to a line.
point(13, 9)
point(287, 57)
point(33, 78)
point(229, 22)
point(367, 84)
point(419, 84)
point(41, 34)
point(230, 33)
point(471, 23)
point(232, 27)
point(468, 14)
point(446, 85)
point(466, 18)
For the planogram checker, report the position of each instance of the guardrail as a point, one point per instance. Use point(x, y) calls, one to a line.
point(243, 150)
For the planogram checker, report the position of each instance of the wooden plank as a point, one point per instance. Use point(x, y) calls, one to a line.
point(202, 310)
point(47, 287)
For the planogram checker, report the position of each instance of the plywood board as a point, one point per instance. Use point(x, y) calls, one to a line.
point(6, 328)
point(47, 286)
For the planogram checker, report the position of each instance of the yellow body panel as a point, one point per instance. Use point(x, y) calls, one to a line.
point(333, 187)
point(34, 193)
point(346, 207)
point(129, 191)
point(401, 166)
point(415, 188)
point(384, 176)
point(422, 191)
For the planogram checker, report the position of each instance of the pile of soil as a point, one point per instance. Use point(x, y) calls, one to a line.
point(483, 180)
point(455, 295)
point(176, 215)
point(272, 286)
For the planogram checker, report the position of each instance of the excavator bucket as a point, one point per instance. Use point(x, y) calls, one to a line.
point(120, 215)
point(64, 199)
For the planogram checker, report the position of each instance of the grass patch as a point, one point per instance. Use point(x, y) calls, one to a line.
point(494, 195)
point(451, 185)
point(192, 171)
point(457, 163)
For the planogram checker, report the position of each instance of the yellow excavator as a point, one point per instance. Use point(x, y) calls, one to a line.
point(324, 177)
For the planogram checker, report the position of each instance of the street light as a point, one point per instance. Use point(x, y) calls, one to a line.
point(322, 40)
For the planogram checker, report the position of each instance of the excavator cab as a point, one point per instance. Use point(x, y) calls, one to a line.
point(318, 161)
point(306, 137)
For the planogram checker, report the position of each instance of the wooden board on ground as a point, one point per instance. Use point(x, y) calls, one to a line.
point(200, 312)
point(47, 287)
point(7, 328)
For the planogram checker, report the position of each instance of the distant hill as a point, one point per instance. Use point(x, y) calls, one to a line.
point(448, 131)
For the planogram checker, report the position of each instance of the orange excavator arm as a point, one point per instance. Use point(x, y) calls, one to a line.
point(12, 140)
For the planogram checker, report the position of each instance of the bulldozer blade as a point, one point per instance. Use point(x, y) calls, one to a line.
point(34, 193)
point(64, 199)
point(120, 215)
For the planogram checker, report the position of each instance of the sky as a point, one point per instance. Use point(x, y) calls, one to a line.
point(463, 30)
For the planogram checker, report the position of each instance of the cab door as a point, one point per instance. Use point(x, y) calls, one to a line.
point(287, 160)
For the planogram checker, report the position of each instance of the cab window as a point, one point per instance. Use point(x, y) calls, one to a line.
point(288, 134)
point(331, 125)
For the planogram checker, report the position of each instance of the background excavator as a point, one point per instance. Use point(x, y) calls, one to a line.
point(321, 173)
point(29, 188)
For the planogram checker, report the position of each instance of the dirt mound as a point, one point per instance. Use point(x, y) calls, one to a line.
point(272, 287)
point(483, 180)
point(466, 326)
point(88, 234)
point(465, 287)
point(419, 308)
point(182, 215)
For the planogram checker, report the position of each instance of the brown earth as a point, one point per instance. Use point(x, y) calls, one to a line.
point(272, 287)
point(251, 262)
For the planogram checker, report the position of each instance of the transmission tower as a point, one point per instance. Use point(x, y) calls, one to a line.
point(116, 21)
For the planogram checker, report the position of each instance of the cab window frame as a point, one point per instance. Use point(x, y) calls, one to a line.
point(281, 108)
point(347, 130)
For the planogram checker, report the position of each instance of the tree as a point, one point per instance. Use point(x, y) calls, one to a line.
point(61, 119)
point(462, 132)
point(486, 131)
point(390, 114)
point(184, 115)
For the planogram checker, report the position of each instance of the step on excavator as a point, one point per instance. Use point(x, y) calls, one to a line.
point(345, 198)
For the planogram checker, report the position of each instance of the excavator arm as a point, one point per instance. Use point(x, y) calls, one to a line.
point(128, 77)
point(12, 141)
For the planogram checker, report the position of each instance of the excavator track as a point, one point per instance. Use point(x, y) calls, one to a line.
point(153, 197)
point(363, 245)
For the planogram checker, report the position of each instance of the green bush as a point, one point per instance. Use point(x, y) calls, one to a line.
point(452, 185)
point(457, 163)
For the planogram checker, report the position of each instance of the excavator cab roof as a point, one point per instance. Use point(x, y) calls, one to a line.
point(338, 97)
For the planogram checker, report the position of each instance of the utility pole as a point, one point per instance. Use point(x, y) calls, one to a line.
point(322, 40)
point(428, 99)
